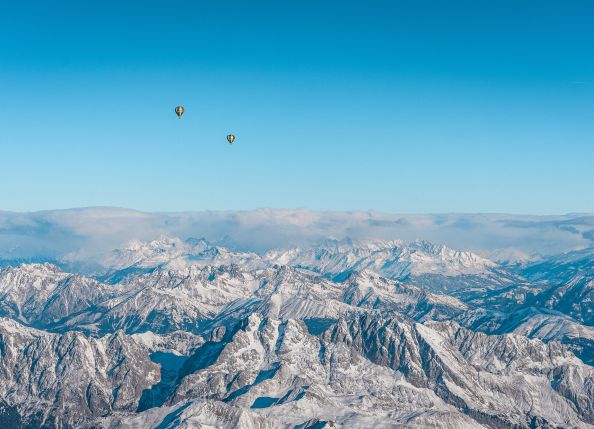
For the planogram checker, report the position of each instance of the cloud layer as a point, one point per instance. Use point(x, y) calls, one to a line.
point(92, 231)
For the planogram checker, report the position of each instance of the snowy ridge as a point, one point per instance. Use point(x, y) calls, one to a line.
point(175, 254)
point(394, 259)
point(175, 333)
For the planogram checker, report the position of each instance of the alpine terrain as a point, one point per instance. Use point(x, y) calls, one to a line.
point(185, 333)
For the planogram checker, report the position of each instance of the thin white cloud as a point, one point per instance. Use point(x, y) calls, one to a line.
point(92, 231)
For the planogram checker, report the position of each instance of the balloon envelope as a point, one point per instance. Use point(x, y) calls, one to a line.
point(179, 111)
point(230, 138)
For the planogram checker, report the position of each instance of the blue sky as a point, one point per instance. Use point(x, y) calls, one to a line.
point(428, 106)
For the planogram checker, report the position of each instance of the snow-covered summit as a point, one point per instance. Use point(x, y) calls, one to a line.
point(395, 259)
point(175, 254)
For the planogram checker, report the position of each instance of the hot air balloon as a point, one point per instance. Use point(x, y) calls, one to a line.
point(179, 111)
point(230, 138)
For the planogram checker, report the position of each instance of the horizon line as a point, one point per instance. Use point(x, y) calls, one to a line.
point(293, 209)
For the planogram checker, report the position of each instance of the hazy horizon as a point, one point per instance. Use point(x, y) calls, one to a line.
point(89, 232)
point(279, 209)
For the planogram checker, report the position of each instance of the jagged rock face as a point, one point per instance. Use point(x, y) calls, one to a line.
point(279, 370)
point(571, 280)
point(184, 334)
point(289, 293)
point(193, 298)
point(535, 323)
point(436, 268)
point(555, 303)
point(41, 294)
point(574, 298)
point(70, 378)
point(504, 380)
point(367, 371)
point(369, 290)
point(161, 301)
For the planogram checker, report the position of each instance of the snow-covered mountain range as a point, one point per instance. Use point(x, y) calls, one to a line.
point(350, 333)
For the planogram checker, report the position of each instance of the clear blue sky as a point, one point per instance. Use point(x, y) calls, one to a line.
point(424, 106)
